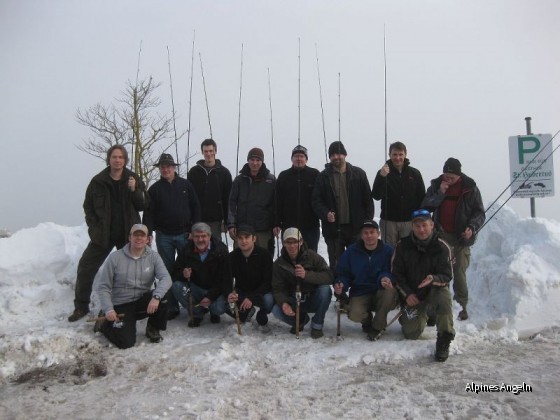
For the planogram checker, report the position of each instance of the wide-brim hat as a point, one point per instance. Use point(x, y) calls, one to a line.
point(165, 159)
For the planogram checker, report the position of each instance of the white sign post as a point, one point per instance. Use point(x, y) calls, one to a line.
point(531, 166)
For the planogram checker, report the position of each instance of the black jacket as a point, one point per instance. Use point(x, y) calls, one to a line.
point(212, 274)
point(470, 210)
point(173, 208)
point(252, 274)
point(413, 261)
point(294, 188)
point(359, 198)
point(97, 205)
point(251, 201)
point(400, 192)
point(212, 188)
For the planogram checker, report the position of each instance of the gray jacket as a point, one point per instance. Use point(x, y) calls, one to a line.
point(125, 279)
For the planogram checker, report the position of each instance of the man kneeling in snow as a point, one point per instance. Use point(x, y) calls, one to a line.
point(422, 269)
point(365, 269)
point(125, 291)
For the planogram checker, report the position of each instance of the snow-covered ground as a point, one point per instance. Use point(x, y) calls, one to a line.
point(50, 368)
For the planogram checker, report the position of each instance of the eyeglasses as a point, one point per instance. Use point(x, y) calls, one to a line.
point(420, 213)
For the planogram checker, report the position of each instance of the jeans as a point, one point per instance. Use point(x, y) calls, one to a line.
point(167, 245)
point(217, 307)
point(317, 302)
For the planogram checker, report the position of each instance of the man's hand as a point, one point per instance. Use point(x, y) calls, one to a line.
point(331, 217)
point(111, 316)
point(443, 186)
point(153, 306)
point(232, 233)
point(131, 184)
point(232, 297)
point(187, 272)
point(412, 300)
point(386, 283)
point(384, 171)
point(467, 234)
point(427, 281)
point(287, 309)
point(299, 271)
point(276, 231)
point(246, 304)
point(338, 288)
point(205, 302)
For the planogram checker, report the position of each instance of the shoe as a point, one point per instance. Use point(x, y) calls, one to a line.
point(302, 324)
point(99, 322)
point(172, 314)
point(263, 329)
point(153, 334)
point(463, 315)
point(215, 319)
point(442, 346)
point(374, 334)
point(245, 316)
point(431, 322)
point(366, 327)
point(262, 317)
point(194, 323)
point(316, 333)
point(78, 313)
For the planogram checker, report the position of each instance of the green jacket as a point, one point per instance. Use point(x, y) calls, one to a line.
point(97, 205)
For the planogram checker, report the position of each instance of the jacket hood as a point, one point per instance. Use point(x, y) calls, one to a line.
point(216, 166)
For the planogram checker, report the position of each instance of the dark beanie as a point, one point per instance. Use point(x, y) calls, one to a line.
point(300, 149)
point(452, 166)
point(337, 147)
point(255, 153)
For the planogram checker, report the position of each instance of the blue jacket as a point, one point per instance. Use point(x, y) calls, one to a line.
point(361, 272)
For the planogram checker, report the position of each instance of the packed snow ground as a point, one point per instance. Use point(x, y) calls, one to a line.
point(50, 368)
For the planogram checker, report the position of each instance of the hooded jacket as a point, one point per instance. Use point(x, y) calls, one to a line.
point(294, 189)
point(97, 205)
point(212, 274)
point(359, 198)
point(400, 192)
point(414, 260)
point(284, 280)
point(125, 279)
point(212, 186)
point(362, 272)
point(470, 210)
point(173, 208)
point(251, 201)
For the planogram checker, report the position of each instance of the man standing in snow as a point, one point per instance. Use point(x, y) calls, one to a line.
point(422, 271)
point(173, 209)
point(342, 200)
point(251, 266)
point(298, 265)
point(401, 189)
point(212, 183)
point(125, 291)
point(203, 268)
point(114, 198)
point(365, 269)
point(251, 201)
point(294, 189)
point(459, 213)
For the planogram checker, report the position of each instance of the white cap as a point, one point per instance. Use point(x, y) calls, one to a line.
point(137, 227)
point(292, 233)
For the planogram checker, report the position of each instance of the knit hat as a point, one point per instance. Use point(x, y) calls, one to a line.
point(452, 166)
point(255, 153)
point(337, 147)
point(301, 150)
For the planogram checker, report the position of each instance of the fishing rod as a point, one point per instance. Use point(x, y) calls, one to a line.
point(205, 95)
point(517, 189)
point(273, 153)
point(190, 105)
point(239, 113)
point(299, 93)
point(339, 106)
point(321, 100)
point(173, 109)
point(135, 100)
point(385, 101)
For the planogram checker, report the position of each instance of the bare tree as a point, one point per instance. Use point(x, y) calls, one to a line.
point(135, 123)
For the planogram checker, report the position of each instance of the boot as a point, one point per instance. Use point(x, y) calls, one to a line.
point(442, 346)
point(78, 313)
point(153, 334)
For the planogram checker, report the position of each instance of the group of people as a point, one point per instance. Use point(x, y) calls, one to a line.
point(409, 259)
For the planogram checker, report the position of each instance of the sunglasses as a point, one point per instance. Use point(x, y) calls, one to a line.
point(420, 213)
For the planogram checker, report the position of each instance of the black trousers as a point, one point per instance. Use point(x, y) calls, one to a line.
point(123, 333)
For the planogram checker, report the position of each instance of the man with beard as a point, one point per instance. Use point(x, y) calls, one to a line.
point(251, 201)
point(342, 200)
point(401, 189)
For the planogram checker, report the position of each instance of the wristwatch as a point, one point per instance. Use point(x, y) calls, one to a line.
point(156, 297)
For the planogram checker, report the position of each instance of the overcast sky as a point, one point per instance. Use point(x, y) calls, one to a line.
point(461, 77)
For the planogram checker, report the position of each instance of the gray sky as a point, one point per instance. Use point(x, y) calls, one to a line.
point(462, 76)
